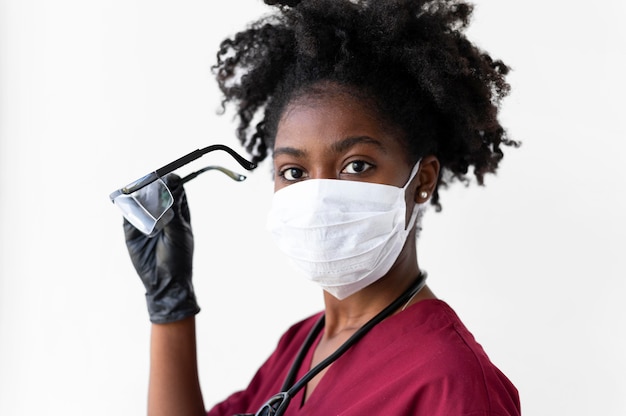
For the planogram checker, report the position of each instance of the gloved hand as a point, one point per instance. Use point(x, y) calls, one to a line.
point(164, 261)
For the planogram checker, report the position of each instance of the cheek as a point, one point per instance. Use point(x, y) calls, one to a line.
point(276, 180)
point(279, 182)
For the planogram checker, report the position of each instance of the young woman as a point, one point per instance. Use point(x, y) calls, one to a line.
point(366, 108)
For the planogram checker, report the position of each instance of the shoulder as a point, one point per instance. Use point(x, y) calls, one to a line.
point(300, 329)
point(293, 338)
point(435, 325)
point(429, 348)
point(452, 349)
point(268, 379)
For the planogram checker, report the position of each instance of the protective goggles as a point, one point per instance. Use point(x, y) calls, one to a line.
point(146, 202)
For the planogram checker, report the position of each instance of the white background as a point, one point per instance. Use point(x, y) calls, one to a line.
point(94, 94)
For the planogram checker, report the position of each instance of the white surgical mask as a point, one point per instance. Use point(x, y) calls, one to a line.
point(342, 234)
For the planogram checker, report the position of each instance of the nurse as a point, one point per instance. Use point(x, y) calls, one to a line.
point(365, 109)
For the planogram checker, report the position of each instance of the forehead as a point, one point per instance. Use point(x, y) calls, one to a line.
point(331, 115)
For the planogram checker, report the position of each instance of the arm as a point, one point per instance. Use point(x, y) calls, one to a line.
point(174, 387)
point(164, 264)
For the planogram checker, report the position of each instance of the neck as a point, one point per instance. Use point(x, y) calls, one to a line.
point(348, 315)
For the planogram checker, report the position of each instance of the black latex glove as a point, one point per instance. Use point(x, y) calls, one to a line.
point(164, 261)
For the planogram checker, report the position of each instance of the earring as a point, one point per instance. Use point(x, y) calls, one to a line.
point(423, 194)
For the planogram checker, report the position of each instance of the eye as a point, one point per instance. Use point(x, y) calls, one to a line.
point(357, 166)
point(291, 174)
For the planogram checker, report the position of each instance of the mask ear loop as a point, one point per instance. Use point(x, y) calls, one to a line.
point(418, 208)
point(413, 174)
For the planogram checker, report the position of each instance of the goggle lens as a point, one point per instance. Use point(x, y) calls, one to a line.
point(146, 206)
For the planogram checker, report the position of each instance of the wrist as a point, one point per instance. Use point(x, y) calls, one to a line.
point(174, 303)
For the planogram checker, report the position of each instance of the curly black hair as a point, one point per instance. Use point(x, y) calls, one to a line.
point(410, 58)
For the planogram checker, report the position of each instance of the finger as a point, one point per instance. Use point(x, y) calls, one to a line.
point(131, 232)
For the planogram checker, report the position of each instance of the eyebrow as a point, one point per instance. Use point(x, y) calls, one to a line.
point(337, 147)
point(291, 151)
point(347, 143)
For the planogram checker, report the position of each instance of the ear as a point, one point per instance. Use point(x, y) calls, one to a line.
point(427, 175)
